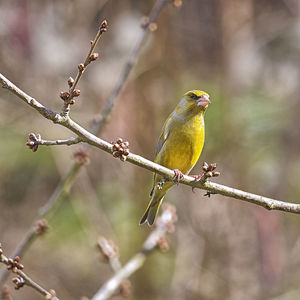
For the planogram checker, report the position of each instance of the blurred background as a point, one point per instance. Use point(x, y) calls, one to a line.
point(245, 54)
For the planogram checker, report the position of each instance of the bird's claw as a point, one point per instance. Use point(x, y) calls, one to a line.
point(208, 194)
point(177, 176)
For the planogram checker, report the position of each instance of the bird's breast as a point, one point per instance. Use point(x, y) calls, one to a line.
point(184, 145)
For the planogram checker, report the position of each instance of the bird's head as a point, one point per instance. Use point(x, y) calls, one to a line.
point(197, 98)
point(192, 103)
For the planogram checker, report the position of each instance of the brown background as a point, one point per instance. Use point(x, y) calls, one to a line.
point(245, 54)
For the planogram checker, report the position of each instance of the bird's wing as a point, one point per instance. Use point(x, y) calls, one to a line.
point(161, 141)
point(163, 136)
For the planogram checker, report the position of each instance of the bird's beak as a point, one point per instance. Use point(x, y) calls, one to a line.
point(203, 101)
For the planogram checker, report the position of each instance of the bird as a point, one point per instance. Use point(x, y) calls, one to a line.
point(179, 146)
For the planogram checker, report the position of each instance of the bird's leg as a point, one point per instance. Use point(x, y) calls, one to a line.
point(177, 175)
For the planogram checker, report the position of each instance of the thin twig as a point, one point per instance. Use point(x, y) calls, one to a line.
point(82, 67)
point(215, 188)
point(35, 140)
point(58, 195)
point(110, 253)
point(137, 261)
point(68, 142)
point(131, 61)
point(27, 280)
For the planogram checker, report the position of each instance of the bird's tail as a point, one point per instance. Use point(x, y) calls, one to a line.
point(152, 209)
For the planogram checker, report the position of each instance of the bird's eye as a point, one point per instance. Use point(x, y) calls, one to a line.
point(194, 96)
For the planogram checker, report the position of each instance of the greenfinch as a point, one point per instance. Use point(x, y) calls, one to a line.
point(179, 147)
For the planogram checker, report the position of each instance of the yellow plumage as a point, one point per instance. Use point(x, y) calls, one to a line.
point(179, 146)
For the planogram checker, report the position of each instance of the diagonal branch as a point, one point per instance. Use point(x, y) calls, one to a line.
point(81, 68)
point(132, 60)
point(68, 181)
point(163, 225)
point(215, 188)
point(62, 189)
point(22, 278)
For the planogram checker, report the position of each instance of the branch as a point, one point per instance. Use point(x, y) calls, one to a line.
point(131, 61)
point(91, 139)
point(35, 140)
point(68, 96)
point(67, 182)
point(110, 253)
point(165, 223)
point(70, 141)
point(22, 278)
point(55, 199)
